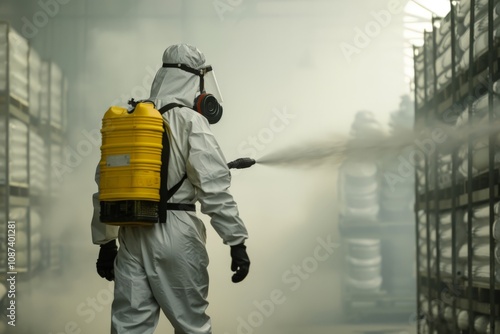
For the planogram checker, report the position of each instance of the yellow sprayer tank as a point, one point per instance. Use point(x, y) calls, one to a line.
point(129, 186)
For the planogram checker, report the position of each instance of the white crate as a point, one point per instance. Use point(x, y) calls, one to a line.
point(56, 95)
point(35, 83)
point(13, 63)
point(38, 164)
point(64, 112)
point(35, 237)
point(57, 169)
point(44, 92)
point(18, 151)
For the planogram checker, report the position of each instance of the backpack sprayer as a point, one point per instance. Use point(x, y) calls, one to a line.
point(131, 189)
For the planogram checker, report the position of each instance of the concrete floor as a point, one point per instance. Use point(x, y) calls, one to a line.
point(82, 305)
point(77, 301)
point(362, 329)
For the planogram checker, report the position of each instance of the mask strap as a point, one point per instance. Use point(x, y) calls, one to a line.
point(201, 72)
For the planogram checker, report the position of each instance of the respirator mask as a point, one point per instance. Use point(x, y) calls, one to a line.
point(207, 104)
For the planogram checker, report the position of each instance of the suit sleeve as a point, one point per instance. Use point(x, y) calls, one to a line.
point(207, 170)
point(101, 233)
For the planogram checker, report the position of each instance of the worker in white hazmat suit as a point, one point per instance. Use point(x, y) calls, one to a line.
point(165, 266)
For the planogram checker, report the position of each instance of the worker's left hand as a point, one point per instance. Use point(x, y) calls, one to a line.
point(240, 262)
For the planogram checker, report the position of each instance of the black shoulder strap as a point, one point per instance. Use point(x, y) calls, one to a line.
point(169, 106)
point(165, 157)
point(173, 190)
point(165, 193)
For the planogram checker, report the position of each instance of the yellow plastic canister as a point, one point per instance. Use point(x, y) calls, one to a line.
point(129, 187)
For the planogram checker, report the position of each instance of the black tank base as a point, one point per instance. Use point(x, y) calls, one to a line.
point(129, 213)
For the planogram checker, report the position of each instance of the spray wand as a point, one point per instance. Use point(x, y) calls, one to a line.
point(241, 163)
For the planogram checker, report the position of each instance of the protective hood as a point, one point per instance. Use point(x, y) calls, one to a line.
point(173, 85)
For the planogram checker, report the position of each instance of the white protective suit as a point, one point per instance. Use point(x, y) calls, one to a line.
point(165, 266)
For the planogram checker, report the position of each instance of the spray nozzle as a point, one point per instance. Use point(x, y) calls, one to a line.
point(241, 163)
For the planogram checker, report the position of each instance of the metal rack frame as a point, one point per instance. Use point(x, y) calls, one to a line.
point(480, 297)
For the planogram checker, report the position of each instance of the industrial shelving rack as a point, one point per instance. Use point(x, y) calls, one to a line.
point(19, 108)
point(458, 290)
point(12, 107)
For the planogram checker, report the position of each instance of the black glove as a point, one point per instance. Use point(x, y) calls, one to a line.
point(105, 261)
point(240, 262)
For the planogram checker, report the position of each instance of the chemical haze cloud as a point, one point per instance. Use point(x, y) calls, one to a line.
point(260, 65)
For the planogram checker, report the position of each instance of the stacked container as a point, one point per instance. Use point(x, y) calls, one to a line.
point(32, 96)
point(360, 179)
point(359, 190)
point(364, 263)
point(57, 169)
point(376, 222)
point(19, 214)
point(13, 63)
point(480, 29)
point(35, 83)
point(35, 237)
point(18, 152)
point(397, 195)
point(38, 157)
point(427, 242)
point(3, 152)
point(44, 92)
point(423, 83)
point(443, 53)
point(56, 95)
point(27, 130)
point(396, 207)
point(14, 125)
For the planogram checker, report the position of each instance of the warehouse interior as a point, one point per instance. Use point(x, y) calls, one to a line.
point(372, 206)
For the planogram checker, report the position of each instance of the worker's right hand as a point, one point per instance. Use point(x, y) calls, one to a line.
point(240, 263)
point(106, 261)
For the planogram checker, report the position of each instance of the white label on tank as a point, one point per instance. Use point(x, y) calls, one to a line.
point(118, 160)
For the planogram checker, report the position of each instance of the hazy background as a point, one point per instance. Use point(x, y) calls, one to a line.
point(271, 58)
